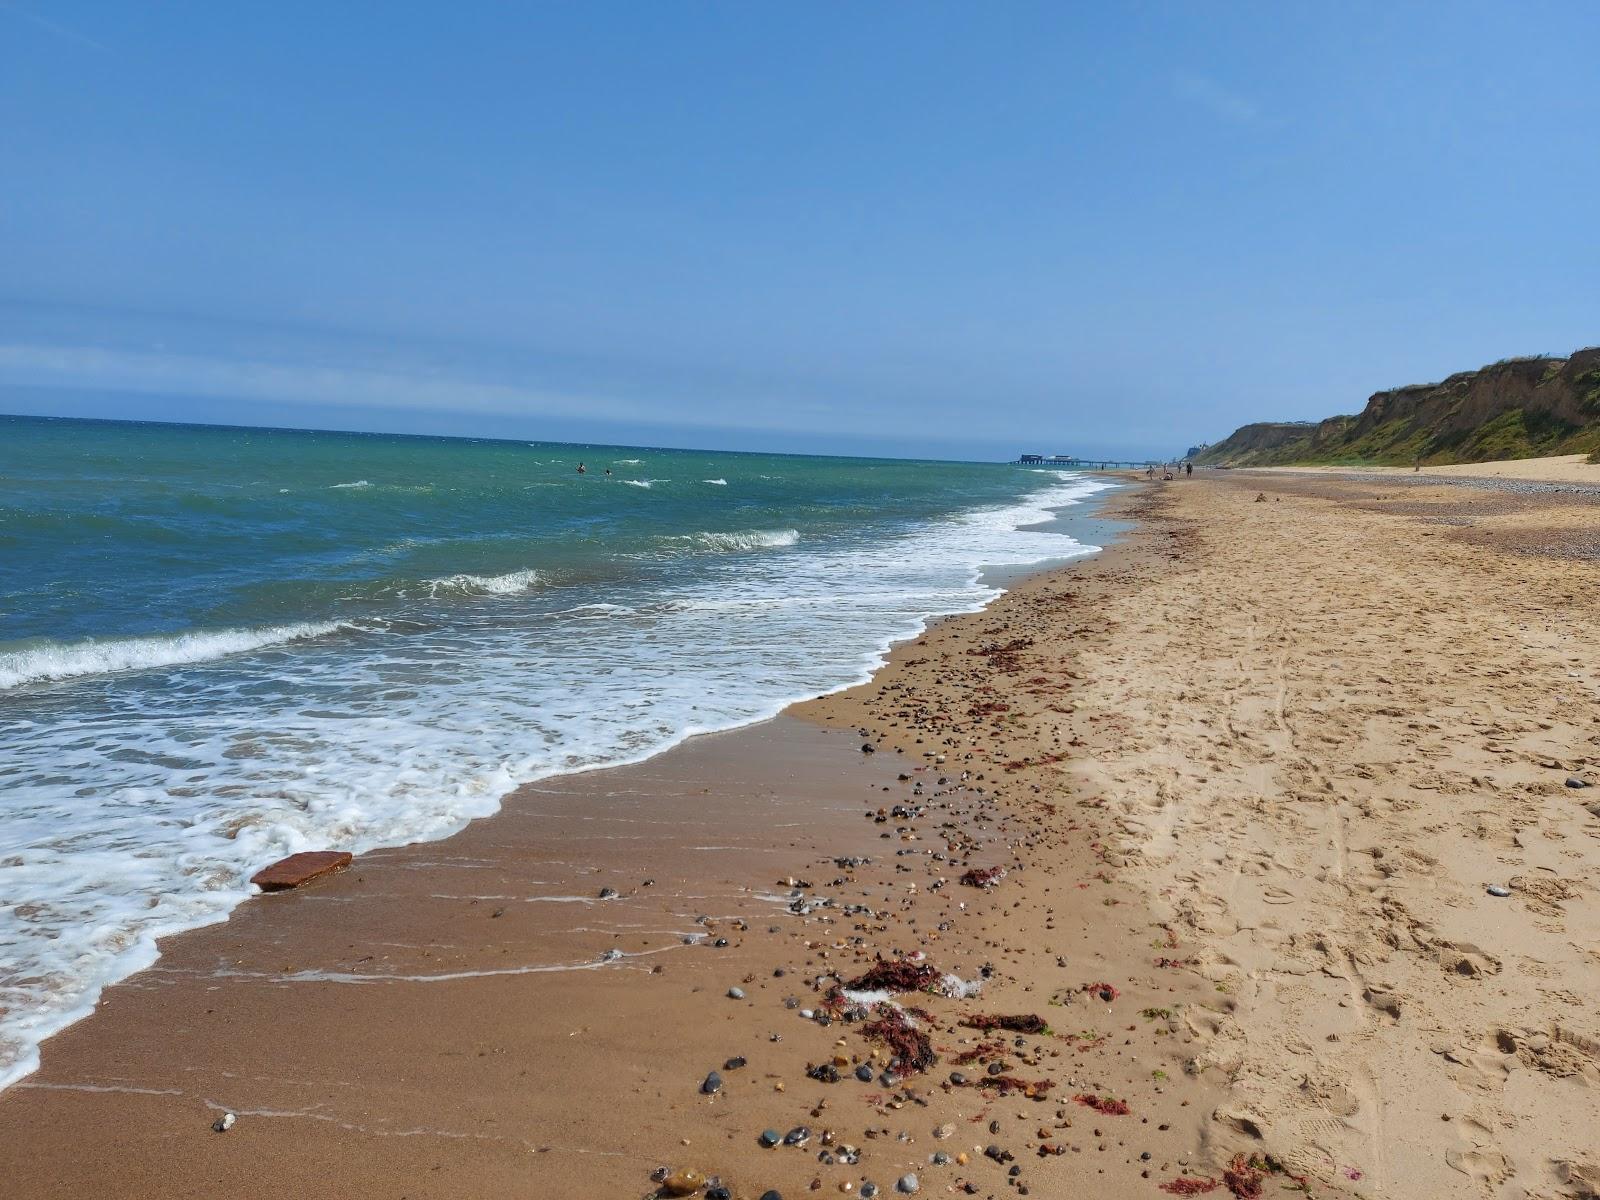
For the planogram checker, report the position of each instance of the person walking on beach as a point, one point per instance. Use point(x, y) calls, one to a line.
point(1188, 468)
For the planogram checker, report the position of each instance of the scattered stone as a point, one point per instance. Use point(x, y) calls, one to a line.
point(1499, 889)
point(735, 993)
point(712, 1085)
point(683, 1183)
point(798, 1136)
point(864, 1073)
point(1574, 782)
point(224, 1123)
point(300, 869)
point(907, 1184)
point(608, 893)
point(734, 1063)
point(770, 1138)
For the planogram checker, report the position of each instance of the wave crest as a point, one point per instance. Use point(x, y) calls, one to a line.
point(508, 584)
point(749, 539)
point(55, 661)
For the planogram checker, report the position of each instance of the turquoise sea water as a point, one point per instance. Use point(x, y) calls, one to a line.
point(219, 645)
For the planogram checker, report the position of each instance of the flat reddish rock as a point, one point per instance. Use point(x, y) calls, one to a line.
point(301, 868)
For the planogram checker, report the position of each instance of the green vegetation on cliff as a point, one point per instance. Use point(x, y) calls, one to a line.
point(1515, 408)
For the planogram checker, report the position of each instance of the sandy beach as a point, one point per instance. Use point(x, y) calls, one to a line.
point(1250, 776)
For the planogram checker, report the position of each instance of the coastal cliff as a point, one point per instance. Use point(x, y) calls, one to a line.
point(1515, 408)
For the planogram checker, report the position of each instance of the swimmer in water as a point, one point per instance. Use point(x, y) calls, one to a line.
point(582, 470)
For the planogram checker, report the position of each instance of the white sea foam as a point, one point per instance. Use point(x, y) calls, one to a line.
point(253, 757)
point(54, 661)
point(360, 483)
point(508, 584)
point(644, 483)
point(716, 482)
point(749, 539)
point(628, 462)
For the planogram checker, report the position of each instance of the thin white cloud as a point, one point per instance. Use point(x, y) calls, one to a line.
point(171, 374)
point(1222, 102)
point(49, 26)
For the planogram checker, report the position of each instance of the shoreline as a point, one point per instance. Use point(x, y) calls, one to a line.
point(488, 803)
point(1246, 838)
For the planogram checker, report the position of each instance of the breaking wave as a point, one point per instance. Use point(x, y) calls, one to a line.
point(485, 585)
point(750, 539)
point(40, 664)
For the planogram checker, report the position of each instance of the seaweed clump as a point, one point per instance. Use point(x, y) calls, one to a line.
point(1017, 1023)
point(904, 1040)
point(898, 976)
point(983, 877)
point(1189, 1185)
point(1103, 1104)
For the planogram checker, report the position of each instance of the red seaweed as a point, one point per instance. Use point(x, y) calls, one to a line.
point(1243, 1178)
point(898, 976)
point(908, 1043)
point(1103, 1104)
point(1188, 1185)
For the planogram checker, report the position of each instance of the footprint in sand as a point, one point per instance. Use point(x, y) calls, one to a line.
point(1480, 1158)
point(1467, 961)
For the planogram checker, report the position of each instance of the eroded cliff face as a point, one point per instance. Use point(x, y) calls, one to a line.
point(1517, 408)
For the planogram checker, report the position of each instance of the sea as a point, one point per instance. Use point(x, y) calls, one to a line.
point(219, 645)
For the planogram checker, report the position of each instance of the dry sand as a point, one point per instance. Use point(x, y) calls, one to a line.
point(1559, 468)
point(1254, 769)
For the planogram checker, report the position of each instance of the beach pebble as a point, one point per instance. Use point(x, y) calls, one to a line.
point(770, 1138)
point(734, 1063)
point(608, 893)
point(907, 1184)
point(224, 1123)
point(718, 1193)
point(771, 1195)
point(683, 1183)
point(611, 956)
point(868, 1190)
point(1574, 782)
point(1499, 889)
point(712, 1085)
point(798, 1136)
point(864, 1073)
point(735, 993)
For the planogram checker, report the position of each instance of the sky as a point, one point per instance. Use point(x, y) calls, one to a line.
point(964, 230)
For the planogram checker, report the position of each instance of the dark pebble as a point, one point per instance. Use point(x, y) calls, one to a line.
point(608, 893)
point(733, 1064)
point(770, 1138)
point(1574, 782)
point(864, 1073)
point(712, 1085)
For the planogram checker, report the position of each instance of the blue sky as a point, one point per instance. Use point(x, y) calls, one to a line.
point(958, 229)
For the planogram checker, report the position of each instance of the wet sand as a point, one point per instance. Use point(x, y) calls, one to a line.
point(1252, 769)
